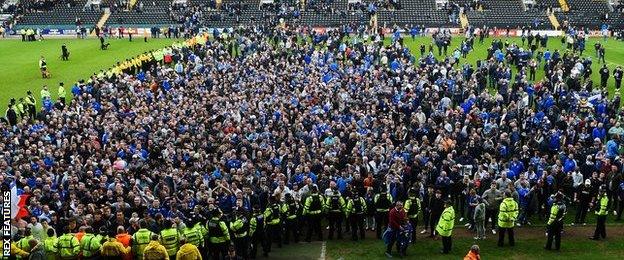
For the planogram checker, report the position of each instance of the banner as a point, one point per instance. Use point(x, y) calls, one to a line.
point(58, 31)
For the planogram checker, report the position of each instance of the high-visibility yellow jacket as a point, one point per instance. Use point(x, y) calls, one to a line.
point(557, 212)
point(170, 239)
point(140, 240)
point(188, 252)
point(68, 246)
point(447, 222)
point(155, 251)
point(601, 209)
point(507, 213)
point(112, 247)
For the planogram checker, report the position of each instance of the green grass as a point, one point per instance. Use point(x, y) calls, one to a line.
point(577, 247)
point(19, 66)
point(614, 53)
point(529, 244)
point(19, 72)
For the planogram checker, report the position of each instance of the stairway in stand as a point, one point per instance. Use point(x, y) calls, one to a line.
point(553, 20)
point(102, 20)
point(131, 4)
point(463, 19)
point(564, 5)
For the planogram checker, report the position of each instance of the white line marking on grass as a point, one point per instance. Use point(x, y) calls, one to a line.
point(323, 248)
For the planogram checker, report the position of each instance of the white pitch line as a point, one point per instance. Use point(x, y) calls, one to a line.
point(323, 248)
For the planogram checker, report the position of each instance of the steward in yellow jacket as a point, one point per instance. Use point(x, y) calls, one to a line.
point(113, 249)
point(155, 251)
point(188, 251)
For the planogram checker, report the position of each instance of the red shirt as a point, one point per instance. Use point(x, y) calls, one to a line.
point(396, 218)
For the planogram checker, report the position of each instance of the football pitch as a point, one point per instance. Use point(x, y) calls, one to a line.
point(19, 63)
point(19, 69)
point(19, 72)
point(529, 245)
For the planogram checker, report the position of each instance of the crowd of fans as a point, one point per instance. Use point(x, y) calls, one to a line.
point(260, 116)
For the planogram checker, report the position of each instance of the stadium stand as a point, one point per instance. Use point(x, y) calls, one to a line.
point(229, 13)
point(61, 13)
point(153, 12)
point(586, 13)
point(507, 14)
point(417, 12)
point(543, 4)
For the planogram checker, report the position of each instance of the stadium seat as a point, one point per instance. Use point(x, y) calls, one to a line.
point(507, 14)
point(62, 14)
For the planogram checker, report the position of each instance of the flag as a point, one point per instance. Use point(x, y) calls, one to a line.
point(14, 200)
point(18, 203)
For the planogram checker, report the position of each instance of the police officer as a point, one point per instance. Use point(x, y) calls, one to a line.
point(313, 209)
point(256, 229)
point(61, 92)
point(170, 238)
point(21, 108)
point(140, 239)
point(31, 34)
point(445, 226)
point(193, 234)
point(335, 210)
point(24, 243)
point(64, 52)
point(68, 245)
point(218, 235)
point(291, 224)
point(273, 222)
point(50, 244)
point(583, 197)
point(604, 76)
point(90, 244)
point(31, 103)
point(11, 115)
point(356, 208)
point(240, 229)
point(197, 215)
point(507, 215)
point(412, 208)
point(618, 74)
point(602, 200)
point(383, 203)
point(555, 222)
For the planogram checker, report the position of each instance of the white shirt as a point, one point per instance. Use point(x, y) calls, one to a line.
point(282, 193)
point(578, 179)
